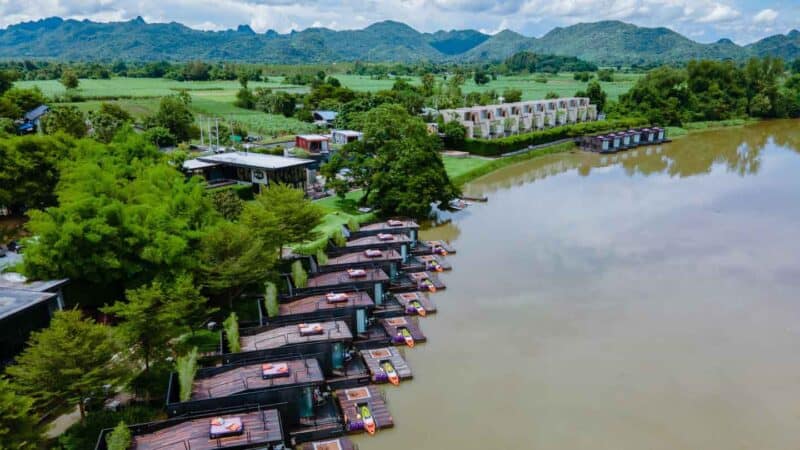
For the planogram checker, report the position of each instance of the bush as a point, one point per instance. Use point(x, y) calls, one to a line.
point(299, 275)
point(322, 258)
point(353, 224)
point(231, 326)
point(338, 238)
point(271, 299)
point(497, 147)
point(243, 191)
point(120, 438)
point(186, 366)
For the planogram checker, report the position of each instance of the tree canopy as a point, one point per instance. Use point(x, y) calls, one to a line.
point(19, 427)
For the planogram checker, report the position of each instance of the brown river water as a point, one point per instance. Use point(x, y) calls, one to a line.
point(644, 301)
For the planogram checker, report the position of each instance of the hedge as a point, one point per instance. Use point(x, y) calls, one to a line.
point(243, 191)
point(500, 146)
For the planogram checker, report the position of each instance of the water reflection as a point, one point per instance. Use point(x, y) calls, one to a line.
point(737, 149)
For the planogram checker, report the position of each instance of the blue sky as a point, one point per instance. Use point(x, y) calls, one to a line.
point(702, 20)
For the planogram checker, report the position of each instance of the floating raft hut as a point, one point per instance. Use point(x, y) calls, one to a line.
point(330, 444)
point(362, 259)
point(264, 382)
point(417, 281)
point(254, 429)
point(376, 358)
point(391, 226)
point(440, 248)
point(412, 301)
point(359, 278)
point(351, 402)
point(383, 241)
point(431, 263)
point(623, 140)
point(396, 328)
point(352, 307)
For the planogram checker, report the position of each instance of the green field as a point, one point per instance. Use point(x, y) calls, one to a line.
point(140, 96)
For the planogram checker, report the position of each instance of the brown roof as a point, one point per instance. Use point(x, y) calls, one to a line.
point(248, 378)
point(341, 277)
point(290, 334)
point(380, 226)
point(321, 303)
point(260, 427)
point(373, 240)
point(361, 257)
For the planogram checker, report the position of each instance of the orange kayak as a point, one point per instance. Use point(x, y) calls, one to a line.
point(391, 373)
point(407, 336)
point(369, 421)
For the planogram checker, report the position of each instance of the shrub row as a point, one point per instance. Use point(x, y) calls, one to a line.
point(500, 146)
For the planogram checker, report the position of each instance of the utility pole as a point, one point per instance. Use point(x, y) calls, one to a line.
point(201, 131)
point(216, 125)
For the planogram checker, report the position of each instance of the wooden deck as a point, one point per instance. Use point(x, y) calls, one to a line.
point(387, 227)
point(350, 399)
point(406, 299)
point(374, 357)
point(290, 334)
point(261, 429)
point(333, 279)
point(315, 303)
point(394, 325)
point(249, 378)
point(374, 241)
point(431, 263)
point(441, 248)
point(417, 281)
point(360, 259)
point(332, 444)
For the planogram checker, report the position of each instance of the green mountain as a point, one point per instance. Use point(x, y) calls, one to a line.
point(607, 42)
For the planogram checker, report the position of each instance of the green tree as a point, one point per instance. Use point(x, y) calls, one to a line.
point(606, 75)
point(551, 95)
point(160, 137)
point(245, 99)
point(512, 95)
point(174, 115)
point(662, 96)
point(7, 79)
point(481, 77)
point(65, 119)
point(454, 135)
point(227, 203)
point(107, 121)
point(296, 215)
point(428, 84)
point(596, 95)
point(397, 164)
point(155, 313)
point(70, 360)
point(69, 79)
point(120, 437)
point(25, 99)
point(795, 67)
point(19, 427)
point(31, 170)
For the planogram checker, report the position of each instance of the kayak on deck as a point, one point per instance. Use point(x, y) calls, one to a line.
point(391, 373)
point(407, 337)
point(369, 421)
point(419, 308)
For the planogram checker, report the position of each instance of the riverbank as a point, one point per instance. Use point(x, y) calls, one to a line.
point(695, 127)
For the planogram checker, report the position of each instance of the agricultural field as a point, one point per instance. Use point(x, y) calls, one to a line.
point(140, 96)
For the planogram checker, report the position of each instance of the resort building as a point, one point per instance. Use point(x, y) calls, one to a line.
point(250, 168)
point(492, 121)
point(342, 137)
point(25, 307)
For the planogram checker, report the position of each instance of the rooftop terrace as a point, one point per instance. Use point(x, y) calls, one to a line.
point(257, 377)
point(291, 334)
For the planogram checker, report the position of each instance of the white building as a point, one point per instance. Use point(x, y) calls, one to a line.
point(492, 121)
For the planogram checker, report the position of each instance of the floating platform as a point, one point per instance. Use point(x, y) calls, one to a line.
point(345, 279)
point(260, 429)
point(379, 242)
point(402, 330)
point(291, 335)
point(391, 226)
point(440, 248)
point(331, 444)
point(412, 301)
point(351, 401)
point(257, 377)
point(376, 358)
point(431, 263)
point(417, 281)
point(324, 306)
point(362, 259)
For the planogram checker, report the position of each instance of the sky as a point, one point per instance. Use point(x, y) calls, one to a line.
point(742, 21)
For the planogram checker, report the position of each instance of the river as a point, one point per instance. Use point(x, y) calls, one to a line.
point(644, 301)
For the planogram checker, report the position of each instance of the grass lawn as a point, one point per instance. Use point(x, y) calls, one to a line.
point(457, 167)
point(338, 212)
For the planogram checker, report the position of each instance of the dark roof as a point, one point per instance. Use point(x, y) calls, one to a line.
point(325, 115)
point(13, 301)
point(36, 113)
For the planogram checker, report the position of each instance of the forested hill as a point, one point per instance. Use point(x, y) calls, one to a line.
point(608, 42)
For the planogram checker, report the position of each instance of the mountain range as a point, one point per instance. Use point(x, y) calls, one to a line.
point(605, 43)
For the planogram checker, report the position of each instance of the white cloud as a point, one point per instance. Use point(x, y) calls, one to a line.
point(720, 13)
point(765, 16)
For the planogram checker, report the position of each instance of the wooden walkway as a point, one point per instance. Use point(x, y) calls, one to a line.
point(351, 399)
point(375, 357)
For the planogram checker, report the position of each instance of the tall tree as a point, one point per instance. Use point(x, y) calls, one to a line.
point(397, 164)
point(7, 79)
point(19, 427)
point(69, 79)
point(30, 170)
point(296, 215)
point(70, 360)
point(153, 314)
point(65, 119)
point(174, 114)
